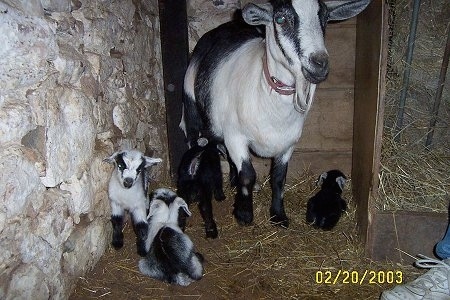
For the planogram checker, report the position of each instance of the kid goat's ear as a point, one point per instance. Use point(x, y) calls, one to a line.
point(150, 161)
point(111, 159)
point(182, 204)
point(321, 178)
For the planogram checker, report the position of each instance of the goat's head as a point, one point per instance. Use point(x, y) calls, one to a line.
point(159, 211)
point(130, 164)
point(295, 35)
point(333, 179)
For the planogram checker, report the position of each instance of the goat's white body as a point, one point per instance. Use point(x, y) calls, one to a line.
point(269, 125)
point(132, 199)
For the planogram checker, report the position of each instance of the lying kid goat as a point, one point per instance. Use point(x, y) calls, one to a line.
point(326, 207)
point(171, 256)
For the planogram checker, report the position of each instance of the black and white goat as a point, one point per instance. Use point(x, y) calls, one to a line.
point(171, 256)
point(200, 177)
point(326, 207)
point(250, 83)
point(127, 191)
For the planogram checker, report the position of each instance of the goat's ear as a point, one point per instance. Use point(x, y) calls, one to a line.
point(343, 10)
point(182, 204)
point(341, 182)
point(150, 161)
point(321, 178)
point(195, 163)
point(260, 14)
point(111, 159)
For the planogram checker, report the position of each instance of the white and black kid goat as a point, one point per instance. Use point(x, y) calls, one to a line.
point(200, 177)
point(250, 84)
point(326, 207)
point(171, 256)
point(127, 191)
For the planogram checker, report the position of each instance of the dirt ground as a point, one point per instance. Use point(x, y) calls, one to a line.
point(260, 261)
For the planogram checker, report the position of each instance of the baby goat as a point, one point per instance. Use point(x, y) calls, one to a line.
point(171, 256)
point(326, 207)
point(199, 177)
point(128, 192)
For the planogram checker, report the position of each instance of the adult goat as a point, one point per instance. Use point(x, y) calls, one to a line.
point(250, 84)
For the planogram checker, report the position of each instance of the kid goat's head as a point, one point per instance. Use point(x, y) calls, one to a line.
point(295, 34)
point(130, 164)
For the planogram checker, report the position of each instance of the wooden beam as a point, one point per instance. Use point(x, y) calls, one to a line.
point(175, 51)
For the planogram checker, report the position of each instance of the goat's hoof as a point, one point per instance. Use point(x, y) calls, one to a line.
point(117, 244)
point(211, 233)
point(243, 217)
point(282, 221)
point(220, 196)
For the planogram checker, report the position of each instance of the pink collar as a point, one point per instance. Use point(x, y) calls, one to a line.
point(275, 83)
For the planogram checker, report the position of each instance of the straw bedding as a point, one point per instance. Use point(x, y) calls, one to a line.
point(260, 261)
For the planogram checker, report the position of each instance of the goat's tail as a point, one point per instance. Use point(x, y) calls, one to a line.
point(191, 121)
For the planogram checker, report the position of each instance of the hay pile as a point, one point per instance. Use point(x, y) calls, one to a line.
point(260, 261)
point(411, 176)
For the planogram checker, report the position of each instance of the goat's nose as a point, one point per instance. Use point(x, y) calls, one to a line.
point(128, 182)
point(319, 60)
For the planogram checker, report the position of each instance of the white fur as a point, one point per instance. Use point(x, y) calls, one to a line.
point(133, 199)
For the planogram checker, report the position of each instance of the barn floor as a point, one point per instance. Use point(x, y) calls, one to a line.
point(260, 261)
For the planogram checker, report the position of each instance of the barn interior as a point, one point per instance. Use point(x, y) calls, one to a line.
point(81, 79)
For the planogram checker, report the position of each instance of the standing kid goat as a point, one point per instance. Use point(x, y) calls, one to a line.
point(251, 82)
point(127, 191)
point(200, 177)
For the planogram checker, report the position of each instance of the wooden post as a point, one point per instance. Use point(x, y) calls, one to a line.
point(175, 51)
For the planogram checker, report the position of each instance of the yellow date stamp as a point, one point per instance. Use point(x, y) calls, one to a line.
point(359, 277)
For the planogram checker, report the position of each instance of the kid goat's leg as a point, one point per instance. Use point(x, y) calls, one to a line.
point(117, 216)
point(140, 227)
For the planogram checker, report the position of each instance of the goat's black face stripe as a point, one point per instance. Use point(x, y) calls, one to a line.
point(289, 28)
point(121, 165)
point(141, 167)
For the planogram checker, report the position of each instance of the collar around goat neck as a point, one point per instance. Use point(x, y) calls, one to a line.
point(275, 83)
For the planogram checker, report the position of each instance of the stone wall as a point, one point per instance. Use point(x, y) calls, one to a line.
point(78, 80)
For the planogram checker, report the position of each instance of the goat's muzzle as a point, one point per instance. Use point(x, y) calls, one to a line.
point(317, 69)
point(128, 182)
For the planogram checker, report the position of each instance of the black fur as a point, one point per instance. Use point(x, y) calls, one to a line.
point(141, 231)
point(117, 224)
point(199, 178)
point(277, 180)
point(326, 207)
point(243, 204)
point(169, 259)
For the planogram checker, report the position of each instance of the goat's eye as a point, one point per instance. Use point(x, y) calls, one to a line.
point(280, 20)
point(121, 167)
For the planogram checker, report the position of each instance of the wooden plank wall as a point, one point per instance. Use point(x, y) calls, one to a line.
point(327, 137)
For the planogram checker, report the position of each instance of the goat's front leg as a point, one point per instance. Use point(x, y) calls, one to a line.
point(140, 227)
point(246, 177)
point(117, 217)
point(278, 173)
